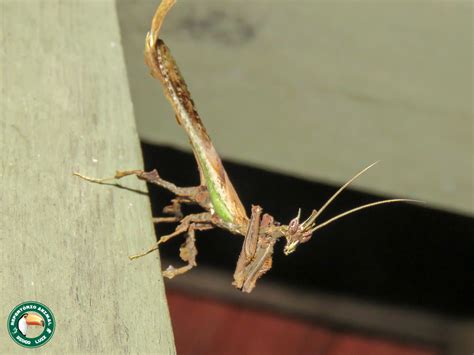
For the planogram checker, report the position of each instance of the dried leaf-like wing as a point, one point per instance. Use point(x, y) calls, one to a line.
point(223, 196)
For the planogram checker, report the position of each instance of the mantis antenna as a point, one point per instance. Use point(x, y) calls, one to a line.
point(309, 223)
point(315, 214)
point(361, 208)
point(342, 188)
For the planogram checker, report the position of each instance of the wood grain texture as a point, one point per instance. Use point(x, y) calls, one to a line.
point(65, 106)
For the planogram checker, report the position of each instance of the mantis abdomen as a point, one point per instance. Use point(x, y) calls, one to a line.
point(224, 199)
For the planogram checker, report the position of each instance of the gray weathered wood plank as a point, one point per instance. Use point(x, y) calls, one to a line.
point(65, 106)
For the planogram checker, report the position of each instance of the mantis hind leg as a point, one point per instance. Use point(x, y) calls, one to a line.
point(187, 251)
point(193, 194)
point(198, 221)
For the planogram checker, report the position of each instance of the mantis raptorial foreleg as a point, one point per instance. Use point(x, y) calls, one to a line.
point(256, 256)
point(249, 247)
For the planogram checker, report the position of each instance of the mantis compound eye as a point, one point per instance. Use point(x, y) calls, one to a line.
point(294, 224)
point(297, 233)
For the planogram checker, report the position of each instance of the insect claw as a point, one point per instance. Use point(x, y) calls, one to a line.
point(91, 179)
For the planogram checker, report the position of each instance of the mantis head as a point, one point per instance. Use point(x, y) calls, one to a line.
point(297, 233)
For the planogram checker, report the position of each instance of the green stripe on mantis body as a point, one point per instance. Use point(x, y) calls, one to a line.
point(217, 193)
point(223, 198)
point(217, 199)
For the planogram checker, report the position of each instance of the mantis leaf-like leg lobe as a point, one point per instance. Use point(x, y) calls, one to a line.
point(187, 251)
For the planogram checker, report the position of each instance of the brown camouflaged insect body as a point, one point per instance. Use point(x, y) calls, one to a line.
point(216, 194)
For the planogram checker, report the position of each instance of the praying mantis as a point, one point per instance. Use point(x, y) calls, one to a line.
point(220, 203)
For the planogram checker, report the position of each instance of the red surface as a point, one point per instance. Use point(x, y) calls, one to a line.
point(207, 327)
